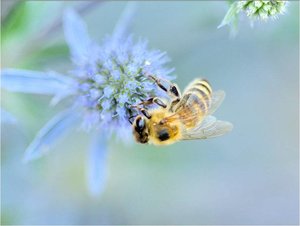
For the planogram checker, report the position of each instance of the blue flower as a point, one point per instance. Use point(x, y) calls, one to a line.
point(105, 81)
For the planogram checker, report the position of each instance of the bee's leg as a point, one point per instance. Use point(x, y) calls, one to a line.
point(130, 119)
point(159, 102)
point(173, 104)
point(153, 100)
point(143, 110)
point(146, 113)
point(173, 89)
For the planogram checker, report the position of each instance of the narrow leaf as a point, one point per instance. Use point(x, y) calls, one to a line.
point(50, 133)
point(230, 16)
point(15, 20)
point(97, 167)
point(76, 34)
point(26, 81)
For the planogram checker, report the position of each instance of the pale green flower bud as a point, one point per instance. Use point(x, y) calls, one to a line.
point(262, 10)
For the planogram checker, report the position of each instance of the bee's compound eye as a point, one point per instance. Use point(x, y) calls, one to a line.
point(140, 123)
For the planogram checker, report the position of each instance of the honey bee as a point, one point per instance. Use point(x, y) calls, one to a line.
point(185, 117)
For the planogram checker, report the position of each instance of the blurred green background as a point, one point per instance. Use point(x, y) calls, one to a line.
point(249, 176)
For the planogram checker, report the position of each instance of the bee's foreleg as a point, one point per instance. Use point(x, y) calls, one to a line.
point(143, 110)
point(159, 102)
point(146, 113)
point(130, 119)
point(153, 100)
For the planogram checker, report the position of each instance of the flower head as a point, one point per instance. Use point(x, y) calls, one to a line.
point(262, 9)
point(105, 81)
point(116, 78)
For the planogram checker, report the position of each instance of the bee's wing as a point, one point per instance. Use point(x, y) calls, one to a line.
point(208, 128)
point(189, 112)
point(216, 100)
point(191, 109)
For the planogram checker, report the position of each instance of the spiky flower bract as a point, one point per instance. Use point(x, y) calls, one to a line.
point(107, 79)
point(262, 9)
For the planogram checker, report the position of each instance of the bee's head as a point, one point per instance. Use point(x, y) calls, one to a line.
point(140, 130)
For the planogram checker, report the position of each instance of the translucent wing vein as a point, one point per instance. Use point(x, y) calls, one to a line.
point(209, 128)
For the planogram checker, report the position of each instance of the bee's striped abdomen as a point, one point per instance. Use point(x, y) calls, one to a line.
point(194, 104)
point(202, 90)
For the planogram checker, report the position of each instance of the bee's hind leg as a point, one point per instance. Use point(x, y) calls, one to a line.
point(173, 104)
point(173, 89)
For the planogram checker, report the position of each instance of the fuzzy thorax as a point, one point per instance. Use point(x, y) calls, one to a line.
point(162, 133)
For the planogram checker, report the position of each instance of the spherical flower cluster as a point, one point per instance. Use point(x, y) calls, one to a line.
point(262, 9)
point(99, 92)
point(113, 77)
